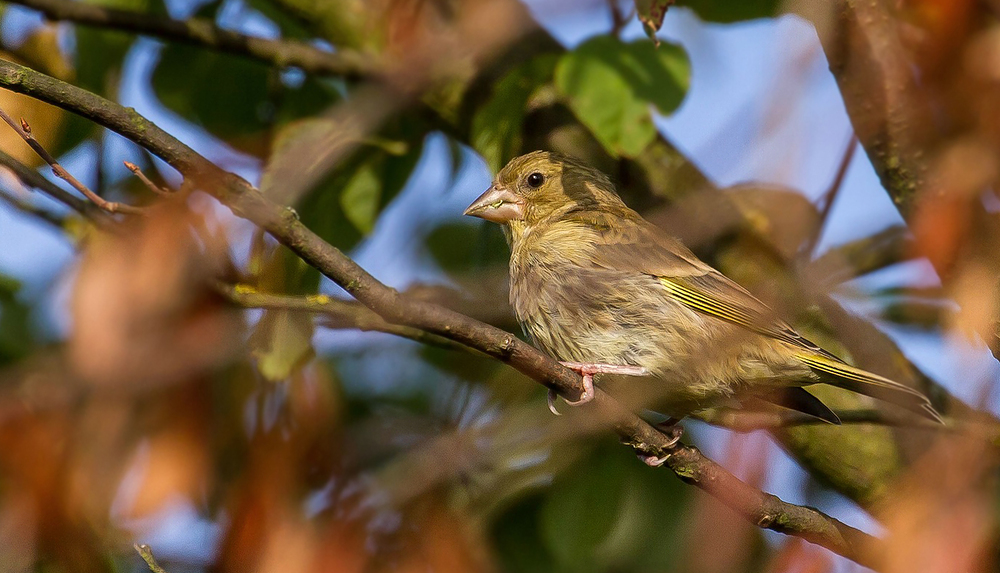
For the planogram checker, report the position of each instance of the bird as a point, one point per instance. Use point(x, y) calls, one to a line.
point(604, 291)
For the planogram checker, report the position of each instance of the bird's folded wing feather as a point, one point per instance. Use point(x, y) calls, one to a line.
point(638, 247)
point(644, 248)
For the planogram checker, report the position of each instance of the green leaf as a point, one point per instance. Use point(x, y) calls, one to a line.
point(583, 509)
point(310, 99)
point(497, 125)
point(727, 11)
point(518, 540)
point(651, 13)
point(100, 54)
point(230, 96)
point(361, 197)
point(459, 246)
point(376, 181)
point(610, 86)
point(345, 204)
point(225, 94)
point(282, 343)
point(16, 337)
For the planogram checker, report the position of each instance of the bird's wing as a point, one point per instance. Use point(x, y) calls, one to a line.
point(716, 295)
point(641, 247)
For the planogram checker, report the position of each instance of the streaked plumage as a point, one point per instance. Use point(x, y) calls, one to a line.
point(593, 282)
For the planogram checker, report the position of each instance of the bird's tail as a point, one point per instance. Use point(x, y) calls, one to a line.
point(854, 379)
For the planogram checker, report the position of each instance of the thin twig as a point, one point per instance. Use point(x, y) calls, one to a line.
point(24, 130)
point(748, 421)
point(26, 207)
point(618, 20)
point(146, 552)
point(203, 32)
point(862, 256)
point(146, 180)
point(764, 510)
point(829, 197)
point(33, 179)
point(339, 313)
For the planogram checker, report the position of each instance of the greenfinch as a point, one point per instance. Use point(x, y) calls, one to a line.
point(596, 286)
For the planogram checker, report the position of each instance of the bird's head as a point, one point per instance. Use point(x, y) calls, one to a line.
point(542, 186)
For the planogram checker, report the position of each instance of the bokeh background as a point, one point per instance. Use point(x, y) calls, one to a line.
point(140, 406)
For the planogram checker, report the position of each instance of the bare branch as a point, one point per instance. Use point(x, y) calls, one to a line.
point(764, 510)
point(146, 552)
point(339, 313)
point(748, 421)
point(145, 180)
point(26, 207)
point(24, 130)
point(830, 196)
point(202, 32)
point(868, 254)
point(769, 512)
point(33, 179)
point(888, 109)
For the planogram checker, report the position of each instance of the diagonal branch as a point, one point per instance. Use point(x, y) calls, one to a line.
point(26, 207)
point(339, 313)
point(33, 179)
point(24, 130)
point(830, 197)
point(762, 509)
point(156, 189)
point(146, 552)
point(202, 32)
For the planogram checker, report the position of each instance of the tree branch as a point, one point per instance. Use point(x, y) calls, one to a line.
point(34, 179)
point(146, 552)
point(24, 130)
point(887, 107)
point(912, 115)
point(687, 462)
point(856, 258)
point(830, 197)
point(339, 313)
point(770, 512)
point(26, 207)
point(202, 32)
point(156, 189)
point(749, 421)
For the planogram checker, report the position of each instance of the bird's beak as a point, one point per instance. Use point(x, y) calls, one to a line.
point(498, 205)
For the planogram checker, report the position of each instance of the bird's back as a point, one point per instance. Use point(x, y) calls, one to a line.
point(578, 310)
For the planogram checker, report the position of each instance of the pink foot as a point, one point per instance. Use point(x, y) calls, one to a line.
point(587, 371)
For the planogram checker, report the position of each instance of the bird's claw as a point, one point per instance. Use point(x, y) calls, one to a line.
point(587, 371)
point(586, 396)
point(588, 391)
point(551, 400)
point(654, 461)
point(674, 432)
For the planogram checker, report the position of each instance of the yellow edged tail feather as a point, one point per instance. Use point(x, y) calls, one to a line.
point(845, 376)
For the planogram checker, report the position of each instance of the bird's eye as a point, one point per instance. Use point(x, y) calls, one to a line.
point(535, 180)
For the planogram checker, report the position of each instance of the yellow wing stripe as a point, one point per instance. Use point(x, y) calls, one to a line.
point(724, 310)
point(707, 305)
point(848, 372)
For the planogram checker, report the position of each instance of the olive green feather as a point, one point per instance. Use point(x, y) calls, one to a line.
point(592, 281)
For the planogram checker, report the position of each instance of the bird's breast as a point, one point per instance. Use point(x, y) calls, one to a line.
point(578, 312)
